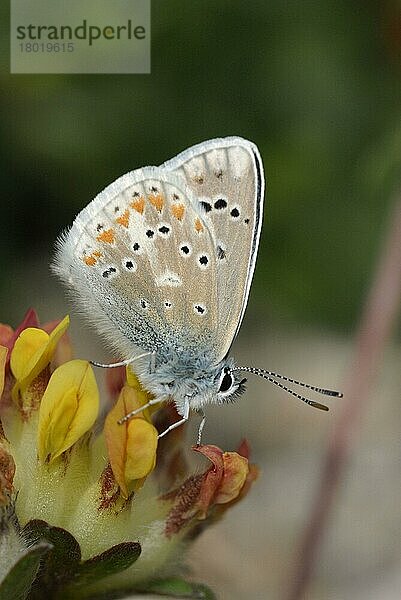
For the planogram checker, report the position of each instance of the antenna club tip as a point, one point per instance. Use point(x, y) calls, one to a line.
point(318, 405)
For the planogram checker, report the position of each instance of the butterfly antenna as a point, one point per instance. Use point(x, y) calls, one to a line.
point(320, 390)
point(269, 375)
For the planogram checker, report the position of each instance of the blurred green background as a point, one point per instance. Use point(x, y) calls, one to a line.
point(316, 85)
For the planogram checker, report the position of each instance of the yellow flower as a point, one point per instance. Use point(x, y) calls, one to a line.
point(131, 446)
point(73, 527)
point(68, 409)
point(32, 353)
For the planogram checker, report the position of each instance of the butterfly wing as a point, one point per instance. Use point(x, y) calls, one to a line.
point(140, 260)
point(226, 175)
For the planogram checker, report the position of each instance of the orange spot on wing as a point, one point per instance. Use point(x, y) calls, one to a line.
point(124, 219)
point(138, 204)
point(89, 260)
point(157, 201)
point(178, 211)
point(92, 259)
point(198, 225)
point(106, 236)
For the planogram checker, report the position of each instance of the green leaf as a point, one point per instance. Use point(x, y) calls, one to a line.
point(65, 556)
point(112, 561)
point(62, 573)
point(179, 588)
point(61, 562)
point(19, 579)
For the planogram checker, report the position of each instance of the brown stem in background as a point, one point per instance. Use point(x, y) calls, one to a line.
point(376, 325)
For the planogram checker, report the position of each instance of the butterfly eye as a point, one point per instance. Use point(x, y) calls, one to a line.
point(226, 381)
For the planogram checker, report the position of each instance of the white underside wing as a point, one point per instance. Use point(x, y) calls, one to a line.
point(163, 258)
point(162, 261)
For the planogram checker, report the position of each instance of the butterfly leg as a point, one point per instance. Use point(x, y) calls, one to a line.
point(138, 410)
point(178, 423)
point(201, 426)
point(123, 363)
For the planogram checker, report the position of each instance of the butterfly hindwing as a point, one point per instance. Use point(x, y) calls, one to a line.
point(226, 177)
point(142, 262)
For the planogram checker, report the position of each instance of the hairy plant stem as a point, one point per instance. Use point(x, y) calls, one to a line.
point(377, 323)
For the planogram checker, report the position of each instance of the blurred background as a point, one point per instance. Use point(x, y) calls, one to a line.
point(316, 85)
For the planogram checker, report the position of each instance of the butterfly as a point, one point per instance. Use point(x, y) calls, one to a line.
point(161, 263)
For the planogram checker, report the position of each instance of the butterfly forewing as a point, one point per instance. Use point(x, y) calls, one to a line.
point(142, 261)
point(227, 180)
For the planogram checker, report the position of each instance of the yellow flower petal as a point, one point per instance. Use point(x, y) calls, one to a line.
point(116, 435)
point(236, 469)
point(132, 379)
point(28, 348)
point(132, 445)
point(141, 397)
point(68, 409)
point(57, 333)
point(3, 359)
point(32, 352)
point(141, 449)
